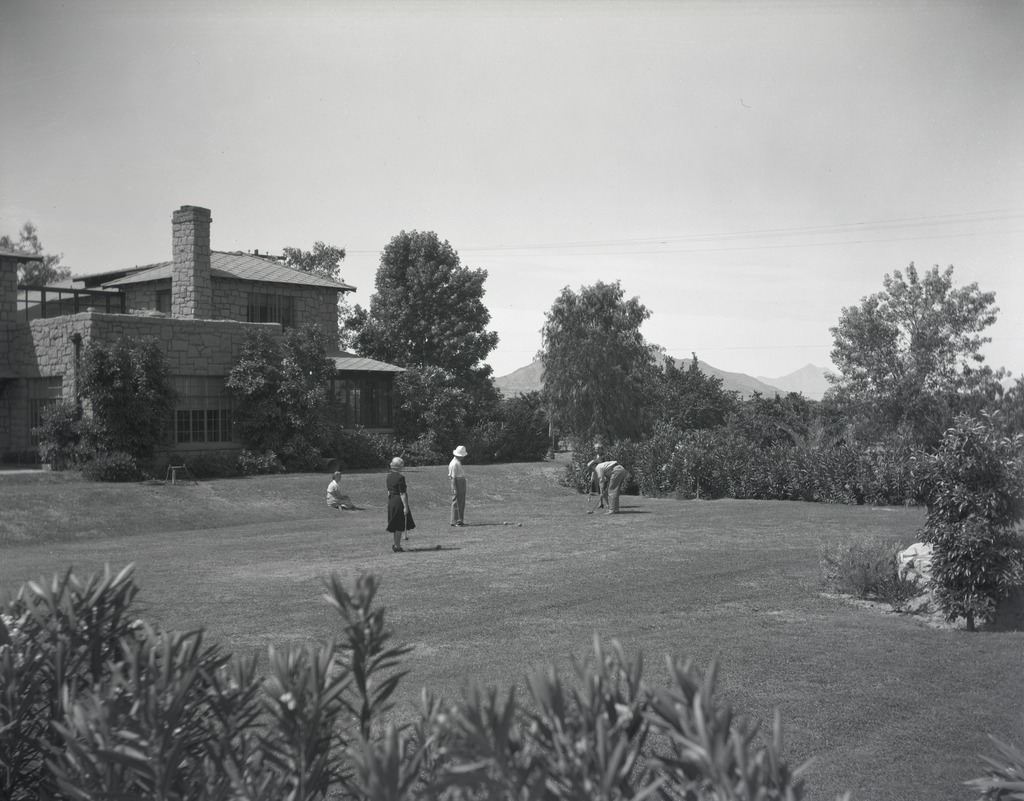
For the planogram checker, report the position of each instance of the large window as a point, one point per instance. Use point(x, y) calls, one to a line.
point(202, 411)
point(42, 393)
point(271, 307)
point(362, 401)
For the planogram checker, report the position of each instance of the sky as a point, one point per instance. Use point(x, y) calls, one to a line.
point(746, 170)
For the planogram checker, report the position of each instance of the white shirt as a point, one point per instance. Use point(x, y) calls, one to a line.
point(455, 469)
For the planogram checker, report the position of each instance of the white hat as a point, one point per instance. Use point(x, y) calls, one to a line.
point(397, 462)
point(460, 451)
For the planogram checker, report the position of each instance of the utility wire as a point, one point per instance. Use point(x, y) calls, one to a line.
point(974, 217)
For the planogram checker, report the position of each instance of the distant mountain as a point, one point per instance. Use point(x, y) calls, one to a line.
point(809, 380)
point(742, 383)
point(519, 382)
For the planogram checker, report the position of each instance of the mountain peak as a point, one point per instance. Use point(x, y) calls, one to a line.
point(809, 380)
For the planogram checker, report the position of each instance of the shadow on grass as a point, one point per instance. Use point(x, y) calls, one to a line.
point(429, 548)
point(485, 523)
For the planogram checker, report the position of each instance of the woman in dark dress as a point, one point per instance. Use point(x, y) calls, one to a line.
point(399, 517)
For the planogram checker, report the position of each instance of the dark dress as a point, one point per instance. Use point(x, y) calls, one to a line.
point(397, 519)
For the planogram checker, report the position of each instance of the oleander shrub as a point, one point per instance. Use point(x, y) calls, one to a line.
point(1004, 774)
point(576, 474)
point(57, 639)
point(112, 466)
point(713, 463)
point(655, 468)
point(98, 704)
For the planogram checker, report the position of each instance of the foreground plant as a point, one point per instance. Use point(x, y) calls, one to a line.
point(98, 705)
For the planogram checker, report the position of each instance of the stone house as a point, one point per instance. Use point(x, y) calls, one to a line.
point(199, 306)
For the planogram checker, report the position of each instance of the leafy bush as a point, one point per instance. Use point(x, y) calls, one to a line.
point(724, 462)
point(58, 434)
point(712, 463)
point(356, 449)
point(516, 432)
point(128, 387)
point(281, 391)
point(210, 464)
point(96, 705)
point(655, 468)
point(112, 466)
point(866, 569)
point(576, 473)
point(974, 488)
point(258, 464)
point(425, 450)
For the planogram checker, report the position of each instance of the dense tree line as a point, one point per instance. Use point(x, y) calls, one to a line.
point(914, 416)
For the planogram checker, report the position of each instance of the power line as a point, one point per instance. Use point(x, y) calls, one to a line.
point(974, 217)
point(880, 225)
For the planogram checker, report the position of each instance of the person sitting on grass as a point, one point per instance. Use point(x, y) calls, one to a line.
point(336, 499)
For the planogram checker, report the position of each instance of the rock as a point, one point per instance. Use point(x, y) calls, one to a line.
point(915, 563)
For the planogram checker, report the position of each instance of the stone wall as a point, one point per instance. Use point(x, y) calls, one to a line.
point(312, 304)
point(231, 301)
point(47, 348)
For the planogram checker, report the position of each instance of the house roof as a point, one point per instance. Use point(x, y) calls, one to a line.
point(7, 253)
point(240, 266)
point(349, 361)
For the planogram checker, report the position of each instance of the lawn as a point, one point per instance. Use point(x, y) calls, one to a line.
point(886, 707)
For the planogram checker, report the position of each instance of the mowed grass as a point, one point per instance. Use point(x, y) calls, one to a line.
point(884, 706)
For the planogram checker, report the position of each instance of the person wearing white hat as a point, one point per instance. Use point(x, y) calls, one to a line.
point(457, 476)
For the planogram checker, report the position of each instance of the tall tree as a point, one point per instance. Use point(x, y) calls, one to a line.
point(428, 312)
point(35, 273)
point(325, 260)
point(599, 372)
point(691, 399)
point(322, 260)
point(428, 309)
point(909, 357)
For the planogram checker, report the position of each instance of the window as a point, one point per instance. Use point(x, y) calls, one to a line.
point(271, 307)
point(362, 401)
point(42, 393)
point(202, 411)
point(163, 301)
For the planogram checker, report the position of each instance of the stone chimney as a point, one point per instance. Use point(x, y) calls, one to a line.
point(8, 288)
point(9, 262)
point(191, 291)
